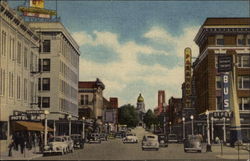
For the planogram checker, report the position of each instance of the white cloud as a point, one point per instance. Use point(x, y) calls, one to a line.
point(117, 75)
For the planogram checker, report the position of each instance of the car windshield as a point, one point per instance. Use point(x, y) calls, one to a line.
point(194, 138)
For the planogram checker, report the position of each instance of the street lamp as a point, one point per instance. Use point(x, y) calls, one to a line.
point(170, 127)
point(69, 117)
point(212, 128)
point(183, 120)
point(46, 112)
point(208, 133)
point(192, 119)
point(83, 127)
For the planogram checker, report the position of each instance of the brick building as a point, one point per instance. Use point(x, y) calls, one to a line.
point(223, 36)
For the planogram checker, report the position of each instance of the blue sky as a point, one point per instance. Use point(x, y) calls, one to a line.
point(137, 46)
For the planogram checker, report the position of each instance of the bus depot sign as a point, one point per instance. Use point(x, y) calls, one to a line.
point(225, 91)
point(221, 114)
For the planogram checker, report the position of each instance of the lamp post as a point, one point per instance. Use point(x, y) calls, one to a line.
point(69, 117)
point(83, 127)
point(224, 129)
point(46, 127)
point(170, 127)
point(212, 129)
point(183, 130)
point(192, 119)
point(208, 133)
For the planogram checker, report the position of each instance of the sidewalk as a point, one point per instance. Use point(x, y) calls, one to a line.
point(27, 155)
point(229, 152)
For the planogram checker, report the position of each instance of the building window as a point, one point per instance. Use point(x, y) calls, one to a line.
point(25, 90)
point(218, 82)
point(219, 103)
point(240, 40)
point(19, 53)
point(244, 103)
point(248, 41)
point(244, 82)
point(46, 65)
point(39, 102)
point(25, 58)
point(31, 62)
point(3, 130)
point(46, 84)
point(4, 43)
point(220, 41)
point(45, 102)
point(84, 100)
point(46, 46)
point(18, 87)
point(243, 60)
point(2, 82)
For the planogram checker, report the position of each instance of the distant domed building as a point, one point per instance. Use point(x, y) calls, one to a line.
point(140, 108)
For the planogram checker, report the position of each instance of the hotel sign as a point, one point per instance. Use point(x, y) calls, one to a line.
point(224, 63)
point(188, 81)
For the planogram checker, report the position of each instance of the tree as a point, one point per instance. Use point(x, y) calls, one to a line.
point(128, 115)
point(149, 118)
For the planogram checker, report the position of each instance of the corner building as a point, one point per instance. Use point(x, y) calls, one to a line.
point(223, 36)
point(18, 60)
point(59, 67)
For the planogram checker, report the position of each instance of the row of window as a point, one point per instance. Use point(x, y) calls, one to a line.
point(68, 73)
point(243, 60)
point(68, 90)
point(241, 40)
point(244, 103)
point(21, 89)
point(242, 81)
point(19, 53)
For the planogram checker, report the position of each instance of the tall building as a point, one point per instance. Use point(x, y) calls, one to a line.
point(59, 67)
point(91, 99)
point(18, 63)
point(227, 37)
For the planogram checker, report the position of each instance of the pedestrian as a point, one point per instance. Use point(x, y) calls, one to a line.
point(22, 142)
point(16, 140)
point(11, 145)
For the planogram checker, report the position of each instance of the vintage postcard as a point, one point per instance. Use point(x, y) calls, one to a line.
point(125, 80)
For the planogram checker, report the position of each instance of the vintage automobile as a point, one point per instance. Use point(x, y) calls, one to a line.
point(56, 144)
point(70, 143)
point(94, 138)
point(130, 138)
point(103, 137)
point(193, 143)
point(150, 141)
point(120, 134)
point(78, 141)
point(172, 138)
point(163, 140)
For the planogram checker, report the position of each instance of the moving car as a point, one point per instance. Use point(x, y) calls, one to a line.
point(70, 143)
point(163, 140)
point(193, 143)
point(150, 141)
point(78, 141)
point(56, 144)
point(94, 138)
point(130, 138)
point(172, 138)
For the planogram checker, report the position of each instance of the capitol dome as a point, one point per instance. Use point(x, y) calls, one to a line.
point(140, 98)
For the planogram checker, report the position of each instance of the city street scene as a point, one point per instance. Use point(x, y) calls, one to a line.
point(124, 80)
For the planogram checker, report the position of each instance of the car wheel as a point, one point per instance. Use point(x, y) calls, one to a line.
point(185, 150)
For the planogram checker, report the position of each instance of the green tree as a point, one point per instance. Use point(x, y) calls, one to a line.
point(149, 118)
point(127, 115)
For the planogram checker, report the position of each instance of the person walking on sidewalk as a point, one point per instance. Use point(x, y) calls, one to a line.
point(11, 145)
point(22, 142)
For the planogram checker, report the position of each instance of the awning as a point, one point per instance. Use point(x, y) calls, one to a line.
point(29, 126)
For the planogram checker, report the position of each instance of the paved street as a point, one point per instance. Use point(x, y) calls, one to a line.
point(115, 150)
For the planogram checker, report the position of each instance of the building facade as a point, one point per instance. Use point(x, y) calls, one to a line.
point(140, 109)
point(161, 102)
point(223, 36)
point(91, 99)
point(59, 70)
point(18, 63)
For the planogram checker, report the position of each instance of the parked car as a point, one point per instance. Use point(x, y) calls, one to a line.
point(150, 141)
point(56, 144)
point(120, 134)
point(70, 143)
point(78, 141)
point(193, 143)
point(103, 137)
point(94, 138)
point(163, 140)
point(130, 138)
point(172, 138)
